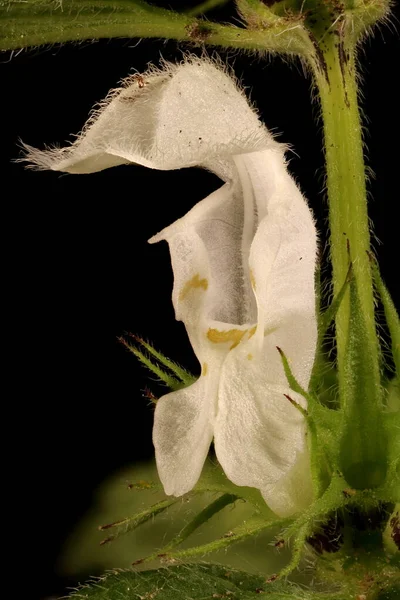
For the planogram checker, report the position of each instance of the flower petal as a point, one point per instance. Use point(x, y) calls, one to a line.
point(205, 248)
point(183, 115)
point(294, 491)
point(182, 433)
point(207, 255)
point(258, 433)
point(282, 263)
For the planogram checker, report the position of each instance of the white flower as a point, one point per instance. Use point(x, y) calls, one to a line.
point(243, 261)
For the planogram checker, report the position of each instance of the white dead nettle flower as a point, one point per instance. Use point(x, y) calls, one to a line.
point(243, 262)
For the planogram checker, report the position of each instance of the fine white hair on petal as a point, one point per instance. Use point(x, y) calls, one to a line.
point(182, 115)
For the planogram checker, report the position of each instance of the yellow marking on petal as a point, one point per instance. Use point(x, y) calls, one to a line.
point(252, 280)
point(268, 331)
point(252, 331)
point(249, 357)
point(193, 283)
point(204, 369)
point(231, 335)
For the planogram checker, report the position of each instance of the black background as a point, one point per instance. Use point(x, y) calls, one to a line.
point(78, 271)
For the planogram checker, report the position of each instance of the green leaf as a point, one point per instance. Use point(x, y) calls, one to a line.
point(194, 582)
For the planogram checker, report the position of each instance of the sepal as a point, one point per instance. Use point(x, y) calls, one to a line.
point(391, 315)
point(166, 370)
point(363, 451)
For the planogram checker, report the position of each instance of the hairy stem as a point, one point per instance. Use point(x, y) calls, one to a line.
point(346, 186)
point(37, 22)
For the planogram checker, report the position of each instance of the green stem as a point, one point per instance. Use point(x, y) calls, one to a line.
point(346, 185)
point(37, 22)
